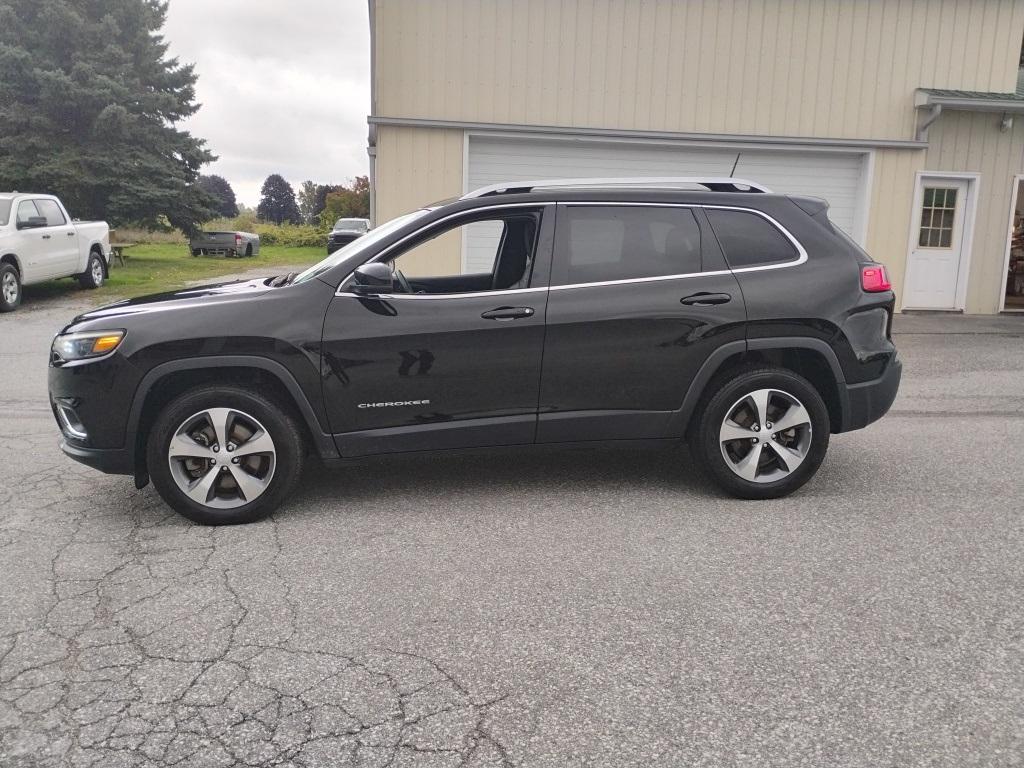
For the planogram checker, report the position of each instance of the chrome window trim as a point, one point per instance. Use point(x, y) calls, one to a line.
point(473, 294)
point(801, 251)
point(544, 205)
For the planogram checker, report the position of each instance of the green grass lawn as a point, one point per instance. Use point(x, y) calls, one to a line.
point(165, 267)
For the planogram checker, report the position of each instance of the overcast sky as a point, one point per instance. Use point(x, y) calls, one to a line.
point(284, 87)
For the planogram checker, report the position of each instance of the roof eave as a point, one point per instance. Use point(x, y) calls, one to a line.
point(923, 98)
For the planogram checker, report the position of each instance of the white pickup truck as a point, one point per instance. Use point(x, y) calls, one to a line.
point(39, 241)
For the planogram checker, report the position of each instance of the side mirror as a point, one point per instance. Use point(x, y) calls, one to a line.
point(34, 222)
point(375, 277)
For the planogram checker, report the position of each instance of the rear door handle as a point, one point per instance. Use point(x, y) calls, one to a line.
point(46, 237)
point(71, 234)
point(706, 299)
point(507, 313)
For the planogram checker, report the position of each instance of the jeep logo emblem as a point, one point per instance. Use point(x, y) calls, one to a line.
point(394, 404)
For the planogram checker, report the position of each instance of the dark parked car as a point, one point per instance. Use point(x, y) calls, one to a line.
point(740, 321)
point(345, 231)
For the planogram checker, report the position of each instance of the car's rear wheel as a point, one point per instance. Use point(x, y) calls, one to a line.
point(10, 288)
point(248, 250)
point(224, 455)
point(763, 434)
point(94, 274)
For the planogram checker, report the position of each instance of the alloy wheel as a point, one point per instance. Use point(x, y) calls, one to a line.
point(10, 288)
point(97, 272)
point(765, 435)
point(222, 458)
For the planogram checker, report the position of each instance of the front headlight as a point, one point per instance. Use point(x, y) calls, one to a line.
point(82, 346)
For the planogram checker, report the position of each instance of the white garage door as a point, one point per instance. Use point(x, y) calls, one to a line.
point(834, 176)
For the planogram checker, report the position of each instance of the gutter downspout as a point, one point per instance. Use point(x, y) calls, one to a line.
point(371, 139)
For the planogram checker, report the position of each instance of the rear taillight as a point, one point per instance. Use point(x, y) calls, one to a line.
point(873, 278)
point(238, 239)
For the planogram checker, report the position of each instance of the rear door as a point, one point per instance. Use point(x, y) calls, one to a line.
point(640, 296)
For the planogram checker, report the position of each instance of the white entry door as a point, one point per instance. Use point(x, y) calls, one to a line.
point(934, 265)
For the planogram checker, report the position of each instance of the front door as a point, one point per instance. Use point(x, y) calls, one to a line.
point(450, 355)
point(934, 265)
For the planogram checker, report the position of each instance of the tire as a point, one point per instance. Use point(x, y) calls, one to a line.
point(248, 250)
point(10, 288)
point(95, 272)
point(196, 252)
point(724, 439)
point(217, 499)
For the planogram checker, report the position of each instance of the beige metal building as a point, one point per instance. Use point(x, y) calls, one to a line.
point(903, 114)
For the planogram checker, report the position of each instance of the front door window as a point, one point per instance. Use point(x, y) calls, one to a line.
point(938, 214)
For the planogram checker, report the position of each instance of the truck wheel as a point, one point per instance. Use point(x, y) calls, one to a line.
point(196, 251)
point(763, 434)
point(94, 274)
point(222, 455)
point(248, 250)
point(10, 288)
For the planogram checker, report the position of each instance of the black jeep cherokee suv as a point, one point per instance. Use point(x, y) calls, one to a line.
point(530, 313)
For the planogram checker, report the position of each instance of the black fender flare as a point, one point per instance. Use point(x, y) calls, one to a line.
point(680, 420)
point(323, 443)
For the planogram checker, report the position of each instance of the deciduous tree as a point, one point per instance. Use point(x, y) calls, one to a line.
point(217, 187)
point(277, 201)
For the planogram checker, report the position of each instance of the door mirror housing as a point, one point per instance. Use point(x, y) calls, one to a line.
point(375, 277)
point(34, 222)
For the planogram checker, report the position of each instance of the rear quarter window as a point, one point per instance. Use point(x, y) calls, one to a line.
point(750, 240)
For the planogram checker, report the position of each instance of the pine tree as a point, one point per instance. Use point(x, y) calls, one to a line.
point(218, 188)
point(277, 201)
point(89, 101)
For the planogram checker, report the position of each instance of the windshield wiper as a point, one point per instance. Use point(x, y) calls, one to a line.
point(280, 280)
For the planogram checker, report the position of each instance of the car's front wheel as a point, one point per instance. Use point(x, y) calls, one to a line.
point(763, 434)
point(222, 455)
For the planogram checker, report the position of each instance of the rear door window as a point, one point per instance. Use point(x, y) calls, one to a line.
point(602, 243)
point(749, 239)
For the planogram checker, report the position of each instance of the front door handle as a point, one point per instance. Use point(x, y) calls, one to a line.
point(46, 237)
point(71, 234)
point(706, 299)
point(507, 313)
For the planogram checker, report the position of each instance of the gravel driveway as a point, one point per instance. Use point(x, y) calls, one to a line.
point(547, 609)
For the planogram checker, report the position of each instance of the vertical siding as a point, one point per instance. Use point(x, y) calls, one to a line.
point(892, 195)
point(837, 68)
point(972, 143)
point(414, 167)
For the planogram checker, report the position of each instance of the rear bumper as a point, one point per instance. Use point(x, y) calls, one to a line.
point(871, 400)
point(113, 461)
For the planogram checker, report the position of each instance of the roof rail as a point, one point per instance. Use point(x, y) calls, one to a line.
point(712, 184)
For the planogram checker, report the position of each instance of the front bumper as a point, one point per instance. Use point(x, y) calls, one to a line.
point(113, 461)
point(871, 400)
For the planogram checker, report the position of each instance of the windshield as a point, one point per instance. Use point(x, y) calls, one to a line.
point(5, 210)
point(360, 224)
point(363, 244)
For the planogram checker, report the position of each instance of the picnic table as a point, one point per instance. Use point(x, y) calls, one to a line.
point(117, 251)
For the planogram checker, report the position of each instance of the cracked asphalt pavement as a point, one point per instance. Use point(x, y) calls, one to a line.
point(584, 608)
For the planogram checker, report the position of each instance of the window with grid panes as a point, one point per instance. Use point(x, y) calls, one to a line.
point(937, 215)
